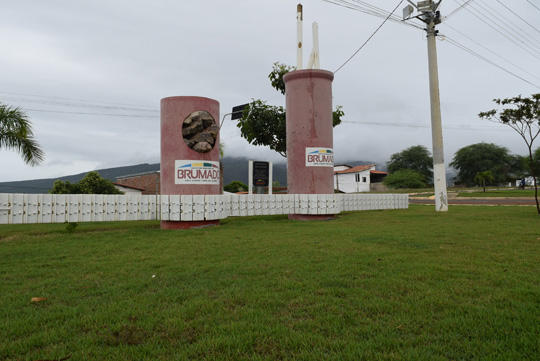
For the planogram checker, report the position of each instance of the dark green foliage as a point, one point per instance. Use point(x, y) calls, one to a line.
point(265, 125)
point(483, 178)
point(235, 187)
point(417, 158)
point(92, 183)
point(276, 76)
point(71, 226)
point(405, 178)
point(16, 133)
point(481, 157)
point(522, 115)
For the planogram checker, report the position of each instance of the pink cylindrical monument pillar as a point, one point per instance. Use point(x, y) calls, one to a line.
point(310, 155)
point(189, 151)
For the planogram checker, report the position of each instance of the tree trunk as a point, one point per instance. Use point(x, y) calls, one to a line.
point(534, 179)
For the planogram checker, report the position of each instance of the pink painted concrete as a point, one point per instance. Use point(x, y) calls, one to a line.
point(174, 110)
point(309, 124)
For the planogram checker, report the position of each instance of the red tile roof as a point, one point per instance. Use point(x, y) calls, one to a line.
point(356, 169)
point(377, 172)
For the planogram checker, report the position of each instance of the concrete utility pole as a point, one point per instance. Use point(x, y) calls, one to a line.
point(432, 17)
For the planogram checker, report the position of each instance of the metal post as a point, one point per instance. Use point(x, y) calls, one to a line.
point(299, 50)
point(439, 170)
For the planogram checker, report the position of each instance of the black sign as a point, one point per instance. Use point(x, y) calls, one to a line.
point(238, 111)
point(261, 174)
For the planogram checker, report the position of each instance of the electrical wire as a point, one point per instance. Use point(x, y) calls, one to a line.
point(499, 19)
point(79, 100)
point(85, 113)
point(500, 32)
point(458, 9)
point(372, 35)
point(467, 128)
point(491, 51)
point(525, 21)
point(529, 1)
point(464, 48)
point(371, 10)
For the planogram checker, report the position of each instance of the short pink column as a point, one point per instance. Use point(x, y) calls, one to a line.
point(185, 171)
point(310, 157)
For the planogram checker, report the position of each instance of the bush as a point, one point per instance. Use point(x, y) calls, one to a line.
point(235, 187)
point(405, 178)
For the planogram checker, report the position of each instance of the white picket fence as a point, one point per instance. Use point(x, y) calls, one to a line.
point(60, 208)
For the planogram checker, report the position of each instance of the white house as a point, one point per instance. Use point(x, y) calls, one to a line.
point(362, 178)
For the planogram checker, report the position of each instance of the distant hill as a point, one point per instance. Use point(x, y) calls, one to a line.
point(235, 169)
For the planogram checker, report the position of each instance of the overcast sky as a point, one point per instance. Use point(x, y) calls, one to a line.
point(90, 74)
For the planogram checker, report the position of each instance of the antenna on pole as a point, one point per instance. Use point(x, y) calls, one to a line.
point(432, 17)
point(299, 36)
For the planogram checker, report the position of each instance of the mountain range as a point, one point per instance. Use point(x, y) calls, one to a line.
point(235, 169)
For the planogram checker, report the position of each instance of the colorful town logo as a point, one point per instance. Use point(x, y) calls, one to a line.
point(196, 172)
point(319, 157)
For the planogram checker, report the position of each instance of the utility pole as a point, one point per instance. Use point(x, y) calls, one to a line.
point(431, 16)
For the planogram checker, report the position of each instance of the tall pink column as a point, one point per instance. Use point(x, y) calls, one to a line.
point(185, 171)
point(310, 157)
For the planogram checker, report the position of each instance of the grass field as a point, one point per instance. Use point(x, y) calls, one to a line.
point(500, 193)
point(379, 285)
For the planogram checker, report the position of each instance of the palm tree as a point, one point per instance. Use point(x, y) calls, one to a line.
point(483, 177)
point(16, 133)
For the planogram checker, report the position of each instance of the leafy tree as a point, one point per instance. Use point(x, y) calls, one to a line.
point(519, 167)
point(405, 178)
point(522, 115)
point(92, 183)
point(16, 133)
point(66, 187)
point(480, 157)
point(235, 187)
point(483, 177)
point(417, 158)
point(263, 124)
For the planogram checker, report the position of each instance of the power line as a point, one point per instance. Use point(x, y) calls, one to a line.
point(415, 125)
point(529, 1)
point(498, 18)
point(500, 32)
point(372, 35)
point(85, 113)
point(79, 100)
point(491, 51)
point(525, 21)
point(464, 48)
point(458, 9)
point(366, 8)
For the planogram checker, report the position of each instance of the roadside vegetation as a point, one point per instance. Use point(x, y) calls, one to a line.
point(380, 285)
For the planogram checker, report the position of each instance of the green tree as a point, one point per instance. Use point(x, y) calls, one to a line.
point(417, 158)
point(91, 183)
point(405, 178)
point(483, 177)
point(480, 157)
point(235, 187)
point(263, 124)
point(16, 133)
point(522, 115)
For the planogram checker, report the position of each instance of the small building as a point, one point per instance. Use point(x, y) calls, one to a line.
point(362, 178)
point(128, 189)
point(148, 183)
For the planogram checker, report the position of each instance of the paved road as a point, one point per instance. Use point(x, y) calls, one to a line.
point(479, 201)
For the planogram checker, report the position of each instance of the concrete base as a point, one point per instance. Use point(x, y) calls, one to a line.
point(188, 224)
point(312, 217)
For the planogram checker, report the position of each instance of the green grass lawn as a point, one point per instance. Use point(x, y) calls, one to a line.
point(379, 285)
point(499, 193)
